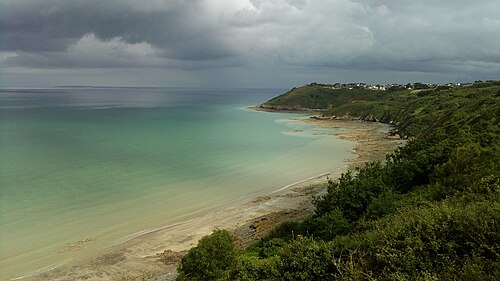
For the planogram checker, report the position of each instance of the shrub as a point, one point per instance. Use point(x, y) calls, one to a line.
point(253, 268)
point(307, 259)
point(212, 259)
point(444, 240)
point(354, 191)
point(327, 226)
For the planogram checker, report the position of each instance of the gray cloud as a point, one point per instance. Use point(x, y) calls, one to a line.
point(425, 36)
point(56, 25)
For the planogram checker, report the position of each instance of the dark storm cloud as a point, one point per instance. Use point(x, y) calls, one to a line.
point(425, 36)
point(55, 25)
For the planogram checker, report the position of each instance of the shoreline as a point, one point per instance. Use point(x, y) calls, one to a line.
point(302, 181)
point(156, 252)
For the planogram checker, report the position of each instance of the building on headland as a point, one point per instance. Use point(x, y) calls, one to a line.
point(391, 86)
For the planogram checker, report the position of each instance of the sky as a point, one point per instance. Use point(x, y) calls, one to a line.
point(246, 43)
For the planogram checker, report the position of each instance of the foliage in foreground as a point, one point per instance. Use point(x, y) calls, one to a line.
point(430, 212)
point(212, 259)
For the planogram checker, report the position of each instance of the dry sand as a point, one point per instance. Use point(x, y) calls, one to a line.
point(155, 255)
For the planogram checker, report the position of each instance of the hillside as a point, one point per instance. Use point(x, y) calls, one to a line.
point(319, 97)
point(430, 212)
point(413, 112)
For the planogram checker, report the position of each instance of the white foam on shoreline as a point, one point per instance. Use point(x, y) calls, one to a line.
point(39, 271)
point(301, 181)
point(309, 179)
point(145, 232)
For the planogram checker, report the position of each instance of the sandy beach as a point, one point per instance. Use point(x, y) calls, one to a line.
point(154, 254)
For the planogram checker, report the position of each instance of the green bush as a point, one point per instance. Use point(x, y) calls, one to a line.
point(307, 259)
point(354, 191)
point(212, 259)
point(444, 240)
point(249, 268)
point(327, 226)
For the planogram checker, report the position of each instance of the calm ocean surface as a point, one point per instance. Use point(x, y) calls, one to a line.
point(97, 164)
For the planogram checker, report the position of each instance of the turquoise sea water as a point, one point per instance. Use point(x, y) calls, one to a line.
point(97, 164)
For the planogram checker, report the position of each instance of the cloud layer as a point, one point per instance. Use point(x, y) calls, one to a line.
point(459, 37)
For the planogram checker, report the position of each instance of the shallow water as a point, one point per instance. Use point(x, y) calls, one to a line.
point(82, 168)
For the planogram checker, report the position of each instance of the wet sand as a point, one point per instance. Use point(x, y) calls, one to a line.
point(154, 255)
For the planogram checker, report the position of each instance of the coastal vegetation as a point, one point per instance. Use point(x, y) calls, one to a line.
point(431, 211)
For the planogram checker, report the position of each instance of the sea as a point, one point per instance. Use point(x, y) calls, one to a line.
point(81, 168)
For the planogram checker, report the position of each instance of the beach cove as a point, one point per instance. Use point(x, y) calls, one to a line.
point(155, 255)
point(107, 210)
